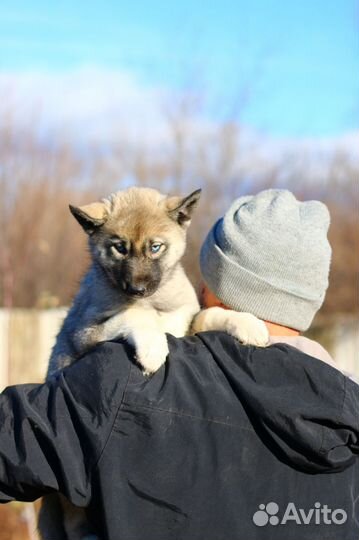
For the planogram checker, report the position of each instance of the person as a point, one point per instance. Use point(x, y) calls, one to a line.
point(270, 256)
point(225, 441)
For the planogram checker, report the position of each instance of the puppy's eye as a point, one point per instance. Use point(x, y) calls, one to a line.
point(121, 248)
point(156, 247)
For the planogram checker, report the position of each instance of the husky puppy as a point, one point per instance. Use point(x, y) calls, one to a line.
point(135, 288)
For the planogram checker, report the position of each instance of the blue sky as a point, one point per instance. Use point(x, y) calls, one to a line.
point(296, 63)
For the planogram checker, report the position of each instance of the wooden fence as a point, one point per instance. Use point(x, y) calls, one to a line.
point(26, 340)
point(27, 336)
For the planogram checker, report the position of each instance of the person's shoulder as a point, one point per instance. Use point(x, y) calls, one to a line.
point(277, 358)
point(102, 372)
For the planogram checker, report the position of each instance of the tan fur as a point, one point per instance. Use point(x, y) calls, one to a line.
point(95, 210)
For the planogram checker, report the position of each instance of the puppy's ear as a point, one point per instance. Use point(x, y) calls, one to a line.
point(90, 216)
point(181, 209)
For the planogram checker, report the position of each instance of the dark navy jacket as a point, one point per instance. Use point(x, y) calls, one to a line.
point(198, 451)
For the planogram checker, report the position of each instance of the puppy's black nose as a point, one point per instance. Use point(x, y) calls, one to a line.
point(138, 290)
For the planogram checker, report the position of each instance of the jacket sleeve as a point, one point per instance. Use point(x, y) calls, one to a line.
point(310, 410)
point(52, 434)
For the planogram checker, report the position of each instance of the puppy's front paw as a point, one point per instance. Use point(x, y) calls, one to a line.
point(151, 351)
point(247, 329)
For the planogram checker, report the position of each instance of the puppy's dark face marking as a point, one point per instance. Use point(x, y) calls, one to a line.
point(136, 268)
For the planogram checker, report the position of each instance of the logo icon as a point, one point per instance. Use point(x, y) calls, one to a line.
point(266, 514)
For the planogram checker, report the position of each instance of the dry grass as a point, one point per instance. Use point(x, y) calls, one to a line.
point(43, 250)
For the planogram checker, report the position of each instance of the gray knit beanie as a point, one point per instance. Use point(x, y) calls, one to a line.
point(270, 256)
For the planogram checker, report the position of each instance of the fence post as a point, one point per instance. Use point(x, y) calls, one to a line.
point(4, 348)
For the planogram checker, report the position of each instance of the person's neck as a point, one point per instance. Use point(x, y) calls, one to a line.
point(278, 330)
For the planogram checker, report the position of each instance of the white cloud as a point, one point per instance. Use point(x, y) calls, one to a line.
point(103, 106)
point(88, 103)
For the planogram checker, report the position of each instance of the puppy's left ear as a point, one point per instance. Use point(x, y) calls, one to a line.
point(91, 216)
point(181, 210)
